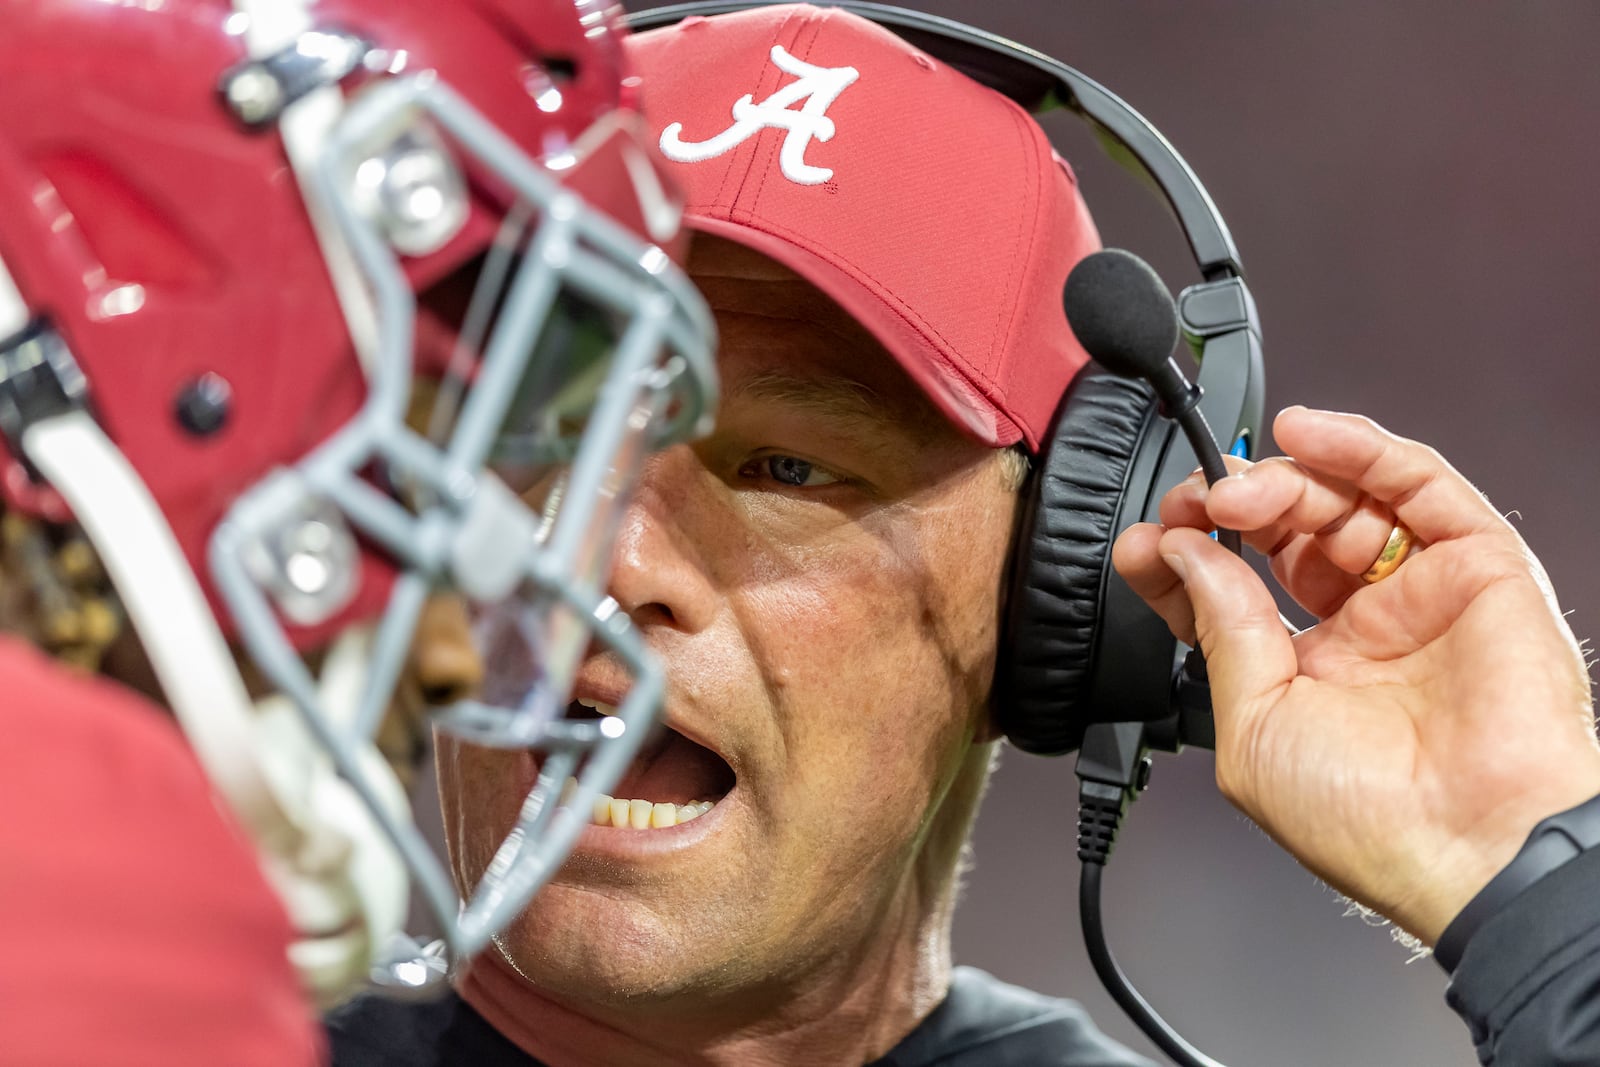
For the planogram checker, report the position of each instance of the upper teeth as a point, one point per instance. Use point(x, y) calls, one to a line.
point(600, 706)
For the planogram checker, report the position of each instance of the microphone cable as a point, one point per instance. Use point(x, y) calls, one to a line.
point(1129, 999)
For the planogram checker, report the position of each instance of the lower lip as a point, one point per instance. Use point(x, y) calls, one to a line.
point(615, 842)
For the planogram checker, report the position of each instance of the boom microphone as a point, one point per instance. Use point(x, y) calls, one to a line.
point(1122, 314)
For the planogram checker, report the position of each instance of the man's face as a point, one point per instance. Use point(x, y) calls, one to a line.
point(820, 579)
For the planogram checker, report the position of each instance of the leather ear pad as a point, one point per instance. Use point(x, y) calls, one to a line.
point(1060, 559)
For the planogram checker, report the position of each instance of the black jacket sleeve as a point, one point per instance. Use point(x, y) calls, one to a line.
point(1528, 984)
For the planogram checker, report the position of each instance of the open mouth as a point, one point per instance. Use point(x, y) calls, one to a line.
point(672, 780)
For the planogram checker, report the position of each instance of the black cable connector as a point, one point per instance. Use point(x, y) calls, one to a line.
point(1113, 766)
point(1099, 818)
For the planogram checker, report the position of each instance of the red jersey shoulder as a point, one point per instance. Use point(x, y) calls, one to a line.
point(149, 931)
point(46, 701)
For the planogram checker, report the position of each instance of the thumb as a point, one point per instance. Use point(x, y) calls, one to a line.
point(1250, 656)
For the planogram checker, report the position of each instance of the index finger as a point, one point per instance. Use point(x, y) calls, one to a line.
point(1415, 481)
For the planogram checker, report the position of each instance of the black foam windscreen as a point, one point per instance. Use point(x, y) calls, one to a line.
point(1121, 312)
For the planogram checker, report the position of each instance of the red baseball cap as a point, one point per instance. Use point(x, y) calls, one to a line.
point(929, 207)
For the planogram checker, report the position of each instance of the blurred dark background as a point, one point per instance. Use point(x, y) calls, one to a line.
point(1413, 191)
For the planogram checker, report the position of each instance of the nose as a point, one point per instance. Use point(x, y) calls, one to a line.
point(444, 658)
point(659, 573)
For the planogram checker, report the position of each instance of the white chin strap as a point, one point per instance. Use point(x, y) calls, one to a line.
point(345, 887)
point(13, 312)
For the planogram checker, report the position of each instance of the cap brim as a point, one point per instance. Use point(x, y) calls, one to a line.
point(934, 371)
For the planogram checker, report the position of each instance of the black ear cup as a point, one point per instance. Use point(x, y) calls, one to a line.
point(1061, 560)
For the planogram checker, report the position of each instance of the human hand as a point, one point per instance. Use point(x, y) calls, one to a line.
point(1404, 747)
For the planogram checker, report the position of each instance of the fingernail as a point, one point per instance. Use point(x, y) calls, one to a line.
point(1178, 567)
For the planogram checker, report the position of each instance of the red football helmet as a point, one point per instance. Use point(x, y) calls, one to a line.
point(301, 301)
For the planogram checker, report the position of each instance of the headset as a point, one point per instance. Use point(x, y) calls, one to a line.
point(1084, 663)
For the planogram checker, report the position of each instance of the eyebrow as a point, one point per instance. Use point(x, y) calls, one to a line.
point(838, 399)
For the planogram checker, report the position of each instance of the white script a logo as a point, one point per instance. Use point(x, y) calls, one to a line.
point(817, 86)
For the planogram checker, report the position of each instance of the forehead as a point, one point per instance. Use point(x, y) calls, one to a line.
point(782, 339)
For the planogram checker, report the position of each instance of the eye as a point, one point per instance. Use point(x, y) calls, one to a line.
point(790, 471)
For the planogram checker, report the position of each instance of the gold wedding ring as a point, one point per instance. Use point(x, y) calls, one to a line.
point(1393, 554)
